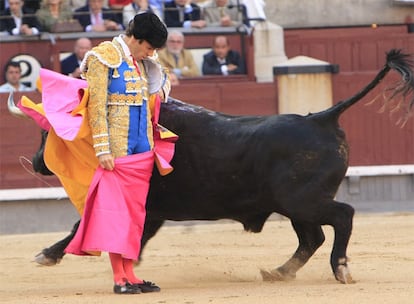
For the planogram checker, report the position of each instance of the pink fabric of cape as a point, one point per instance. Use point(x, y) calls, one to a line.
point(60, 96)
point(114, 214)
point(35, 111)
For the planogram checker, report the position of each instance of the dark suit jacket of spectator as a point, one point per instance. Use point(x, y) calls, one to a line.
point(83, 15)
point(29, 18)
point(32, 4)
point(172, 16)
point(211, 66)
point(2, 6)
point(69, 64)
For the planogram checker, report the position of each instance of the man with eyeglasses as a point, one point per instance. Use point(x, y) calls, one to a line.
point(178, 60)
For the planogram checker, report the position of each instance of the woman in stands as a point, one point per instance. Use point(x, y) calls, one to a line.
point(52, 12)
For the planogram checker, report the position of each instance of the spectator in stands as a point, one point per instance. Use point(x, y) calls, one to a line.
point(12, 75)
point(183, 13)
point(222, 60)
point(21, 20)
point(3, 5)
point(70, 65)
point(75, 4)
point(116, 6)
point(31, 4)
point(158, 6)
point(94, 17)
point(224, 13)
point(135, 7)
point(202, 3)
point(178, 60)
point(52, 12)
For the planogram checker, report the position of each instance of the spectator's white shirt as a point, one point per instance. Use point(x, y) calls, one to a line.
point(18, 21)
point(7, 88)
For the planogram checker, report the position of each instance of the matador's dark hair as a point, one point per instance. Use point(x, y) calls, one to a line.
point(147, 26)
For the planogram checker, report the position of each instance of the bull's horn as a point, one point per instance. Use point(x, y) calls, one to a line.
point(13, 109)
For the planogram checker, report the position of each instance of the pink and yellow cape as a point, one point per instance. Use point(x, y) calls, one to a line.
point(69, 152)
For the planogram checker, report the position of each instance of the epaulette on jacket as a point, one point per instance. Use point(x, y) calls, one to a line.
point(107, 53)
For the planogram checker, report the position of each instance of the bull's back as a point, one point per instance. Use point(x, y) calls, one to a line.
point(227, 166)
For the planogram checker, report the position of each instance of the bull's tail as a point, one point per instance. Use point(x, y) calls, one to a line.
point(403, 64)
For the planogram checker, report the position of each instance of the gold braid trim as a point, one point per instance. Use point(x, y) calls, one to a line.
point(97, 104)
point(107, 53)
point(126, 100)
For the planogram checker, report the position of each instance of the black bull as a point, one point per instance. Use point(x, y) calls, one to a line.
point(245, 168)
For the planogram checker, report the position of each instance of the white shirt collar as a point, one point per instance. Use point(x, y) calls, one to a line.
point(125, 48)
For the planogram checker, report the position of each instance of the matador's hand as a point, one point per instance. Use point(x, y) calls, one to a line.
point(106, 161)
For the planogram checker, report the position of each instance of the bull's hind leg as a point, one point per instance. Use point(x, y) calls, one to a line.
point(310, 238)
point(339, 216)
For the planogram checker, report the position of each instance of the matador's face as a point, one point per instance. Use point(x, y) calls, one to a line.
point(141, 49)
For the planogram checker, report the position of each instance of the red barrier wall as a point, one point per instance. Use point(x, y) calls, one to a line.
point(360, 52)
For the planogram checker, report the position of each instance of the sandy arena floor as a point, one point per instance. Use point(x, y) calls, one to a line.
point(219, 263)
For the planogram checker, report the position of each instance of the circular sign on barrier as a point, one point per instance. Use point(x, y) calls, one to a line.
point(30, 69)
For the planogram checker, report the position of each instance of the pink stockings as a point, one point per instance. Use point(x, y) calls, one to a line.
point(123, 270)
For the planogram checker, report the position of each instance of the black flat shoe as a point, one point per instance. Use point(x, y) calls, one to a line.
point(147, 286)
point(126, 289)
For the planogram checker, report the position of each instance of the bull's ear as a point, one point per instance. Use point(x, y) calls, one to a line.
point(13, 109)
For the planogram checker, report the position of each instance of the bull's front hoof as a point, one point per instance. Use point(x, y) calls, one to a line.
point(276, 275)
point(343, 275)
point(44, 260)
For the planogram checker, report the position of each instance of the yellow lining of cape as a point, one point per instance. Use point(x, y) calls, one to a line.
point(80, 162)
